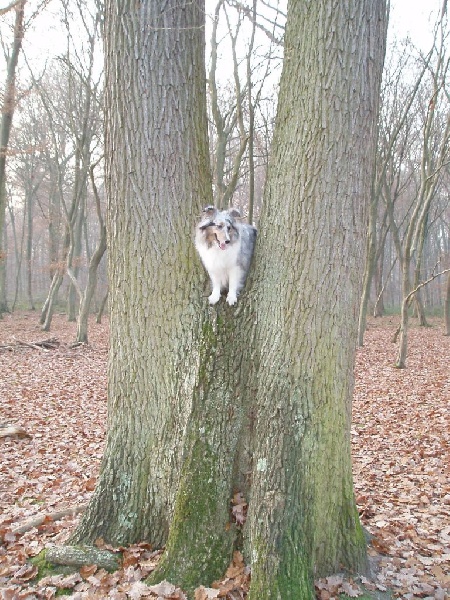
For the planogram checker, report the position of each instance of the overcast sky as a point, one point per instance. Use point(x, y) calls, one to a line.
point(408, 17)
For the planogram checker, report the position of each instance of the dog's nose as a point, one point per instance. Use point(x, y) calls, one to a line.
point(227, 241)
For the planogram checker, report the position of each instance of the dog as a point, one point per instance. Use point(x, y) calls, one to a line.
point(226, 248)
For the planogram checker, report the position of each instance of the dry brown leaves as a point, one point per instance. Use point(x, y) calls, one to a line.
point(57, 400)
point(401, 443)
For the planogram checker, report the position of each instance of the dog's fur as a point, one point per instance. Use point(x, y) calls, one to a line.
point(226, 247)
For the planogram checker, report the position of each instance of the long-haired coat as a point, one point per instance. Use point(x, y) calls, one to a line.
point(225, 247)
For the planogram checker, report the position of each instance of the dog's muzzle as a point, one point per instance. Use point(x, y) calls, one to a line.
point(222, 245)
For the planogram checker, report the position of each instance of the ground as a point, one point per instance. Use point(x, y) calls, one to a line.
point(55, 396)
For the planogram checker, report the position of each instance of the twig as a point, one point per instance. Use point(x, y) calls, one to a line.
point(424, 283)
point(55, 516)
point(13, 430)
point(45, 345)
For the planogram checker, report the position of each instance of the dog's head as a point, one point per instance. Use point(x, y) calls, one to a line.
point(219, 226)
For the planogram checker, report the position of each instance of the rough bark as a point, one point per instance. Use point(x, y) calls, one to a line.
point(77, 556)
point(302, 517)
point(181, 376)
point(201, 538)
point(157, 178)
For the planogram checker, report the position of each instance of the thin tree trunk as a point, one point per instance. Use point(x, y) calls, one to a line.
point(91, 284)
point(101, 310)
point(29, 251)
point(420, 309)
point(17, 254)
point(50, 302)
point(369, 267)
point(447, 306)
point(378, 309)
point(7, 113)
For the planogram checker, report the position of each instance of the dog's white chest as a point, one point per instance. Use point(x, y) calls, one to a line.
point(217, 260)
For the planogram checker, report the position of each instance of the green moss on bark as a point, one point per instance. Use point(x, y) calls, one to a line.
point(200, 545)
point(201, 538)
point(285, 576)
point(46, 568)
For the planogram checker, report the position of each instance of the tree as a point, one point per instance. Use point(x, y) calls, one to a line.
point(397, 105)
point(233, 106)
point(91, 283)
point(184, 390)
point(77, 119)
point(434, 157)
point(302, 516)
point(157, 178)
point(8, 107)
point(447, 306)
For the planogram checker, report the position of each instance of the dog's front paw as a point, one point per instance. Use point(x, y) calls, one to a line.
point(231, 299)
point(214, 298)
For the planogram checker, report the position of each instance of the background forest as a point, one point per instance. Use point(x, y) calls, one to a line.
point(54, 241)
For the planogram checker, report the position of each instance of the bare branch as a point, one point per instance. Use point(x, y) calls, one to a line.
point(10, 6)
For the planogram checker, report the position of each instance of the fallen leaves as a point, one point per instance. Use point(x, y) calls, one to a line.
point(330, 588)
point(400, 436)
point(239, 508)
point(401, 442)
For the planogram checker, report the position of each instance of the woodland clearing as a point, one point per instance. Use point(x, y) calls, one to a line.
point(54, 394)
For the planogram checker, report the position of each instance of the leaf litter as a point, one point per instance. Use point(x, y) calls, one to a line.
point(56, 400)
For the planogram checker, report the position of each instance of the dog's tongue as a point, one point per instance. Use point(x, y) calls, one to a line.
point(222, 245)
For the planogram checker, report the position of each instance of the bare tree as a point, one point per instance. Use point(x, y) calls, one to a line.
point(397, 108)
point(233, 106)
point(434, 156)
point(79, 121)
point(7, 113)
point(88, 293)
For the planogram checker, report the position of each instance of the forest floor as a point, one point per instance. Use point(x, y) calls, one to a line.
point(56, 398)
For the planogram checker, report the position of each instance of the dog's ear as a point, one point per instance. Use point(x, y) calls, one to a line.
point(205, 224)
point(210, 211)
point(234, 212)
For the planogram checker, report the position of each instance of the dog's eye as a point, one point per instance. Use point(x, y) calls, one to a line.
point(229, 227)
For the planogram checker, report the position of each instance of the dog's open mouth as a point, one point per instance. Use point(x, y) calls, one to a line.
point(222, 245)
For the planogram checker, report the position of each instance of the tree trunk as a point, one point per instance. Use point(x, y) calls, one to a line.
point(101, 310)
point(7, 113)
point(29, 249)
point(91, 284)
point(182, 376)
point(201, 538)
point(371, 258)
point(18, 254)
point(88, 294)
point(378, 308)
point(158, 106)
point(447, 306)
point(418, 302)
point(302, 515)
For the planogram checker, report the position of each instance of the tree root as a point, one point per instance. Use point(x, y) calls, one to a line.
point(79, 556)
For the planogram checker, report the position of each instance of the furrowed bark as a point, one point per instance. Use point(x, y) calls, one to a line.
point(157, 174)
point(302, 519)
